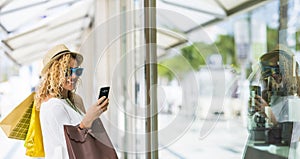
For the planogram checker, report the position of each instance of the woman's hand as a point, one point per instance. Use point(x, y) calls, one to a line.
point(94, 112)
point(260, 103)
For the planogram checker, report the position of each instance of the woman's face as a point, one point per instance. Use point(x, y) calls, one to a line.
point(277, 78)
point(72, 78)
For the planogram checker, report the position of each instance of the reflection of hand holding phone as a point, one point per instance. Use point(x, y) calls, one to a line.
point(104, 91)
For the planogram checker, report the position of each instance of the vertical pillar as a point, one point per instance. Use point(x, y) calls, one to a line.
point(151, 79)
point(243, 49)
point(243, 43)
point(283, 21)
point(123, 46)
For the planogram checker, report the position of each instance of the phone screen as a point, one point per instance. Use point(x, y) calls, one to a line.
point(104, 91)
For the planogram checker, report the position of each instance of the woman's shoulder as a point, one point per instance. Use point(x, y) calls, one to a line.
point(53, 100)
point(52, 103)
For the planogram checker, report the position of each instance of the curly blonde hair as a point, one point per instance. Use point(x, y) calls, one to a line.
point(52, 81)
point(291, 82)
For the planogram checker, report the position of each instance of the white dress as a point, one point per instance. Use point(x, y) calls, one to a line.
point(54, 114)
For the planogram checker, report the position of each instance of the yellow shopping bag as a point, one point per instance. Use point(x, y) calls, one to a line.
point(15, 125)
point(34, 139)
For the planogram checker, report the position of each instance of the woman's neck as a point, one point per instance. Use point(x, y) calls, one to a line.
point(65, 93)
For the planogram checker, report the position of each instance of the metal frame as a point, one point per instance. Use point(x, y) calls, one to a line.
point(151, 79)
point(230, 12)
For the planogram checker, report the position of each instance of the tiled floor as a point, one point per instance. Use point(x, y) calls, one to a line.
point(226, 140)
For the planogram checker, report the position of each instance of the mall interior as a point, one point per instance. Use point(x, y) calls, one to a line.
point(188, 79)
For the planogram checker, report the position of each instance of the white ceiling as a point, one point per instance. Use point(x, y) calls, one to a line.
point(42, 23)
point(32, 26)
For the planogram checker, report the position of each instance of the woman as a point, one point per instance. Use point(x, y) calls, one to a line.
point(58, 103)
point(281, 81)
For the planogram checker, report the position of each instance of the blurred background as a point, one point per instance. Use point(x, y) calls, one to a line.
point(178, 69)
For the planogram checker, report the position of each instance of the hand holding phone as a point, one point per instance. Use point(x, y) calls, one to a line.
point(96, 109)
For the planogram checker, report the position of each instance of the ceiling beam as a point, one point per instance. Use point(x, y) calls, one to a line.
point(221, 6)
point(243, 7)
point(6, 49)
point(248, 5)
point(176, 44)
point(65, 3)
point(4, 3)
point(203, 25)
point(4, 29)
point(195, 9)
point(23, 7)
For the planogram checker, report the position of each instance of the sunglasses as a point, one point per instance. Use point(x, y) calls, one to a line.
point(77, 71)
point(269, 71)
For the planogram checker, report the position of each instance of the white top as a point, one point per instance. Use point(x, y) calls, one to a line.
point(54, 114)
point(280, 108)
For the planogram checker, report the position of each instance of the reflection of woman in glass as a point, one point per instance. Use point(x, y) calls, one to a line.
point(270, 125)
point(281, 83)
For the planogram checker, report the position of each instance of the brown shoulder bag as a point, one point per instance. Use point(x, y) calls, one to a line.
point(91, 143)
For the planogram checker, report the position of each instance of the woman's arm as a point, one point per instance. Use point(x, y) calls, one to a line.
point(94, 112)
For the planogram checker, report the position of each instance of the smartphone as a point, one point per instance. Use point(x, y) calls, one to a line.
point(103, 92)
